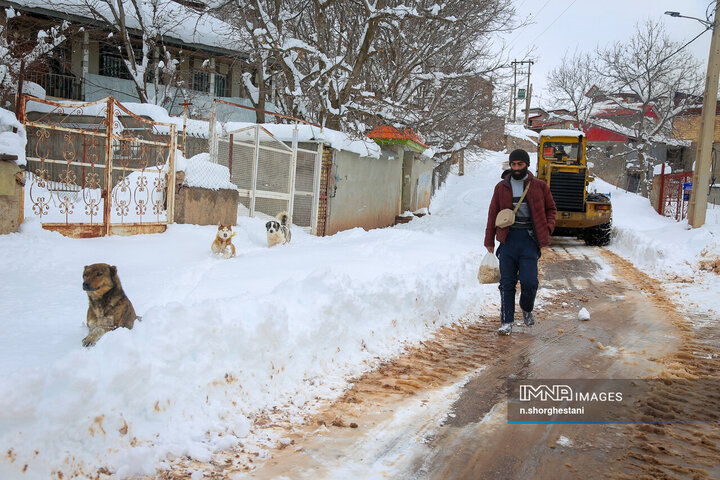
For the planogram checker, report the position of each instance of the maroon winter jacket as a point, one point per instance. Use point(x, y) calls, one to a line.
point(542, 207)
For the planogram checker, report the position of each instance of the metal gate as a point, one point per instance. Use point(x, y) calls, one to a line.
point(271, 175)
point(674, 196)
point(98, 169)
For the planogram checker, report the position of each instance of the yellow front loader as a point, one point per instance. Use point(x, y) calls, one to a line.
point(562, 163)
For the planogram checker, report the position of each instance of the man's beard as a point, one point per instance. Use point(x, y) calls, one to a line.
point(519, 174)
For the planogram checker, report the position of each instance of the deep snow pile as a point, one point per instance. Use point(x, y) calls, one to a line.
point(684, 260)
point(220, 340)
point(659, 245)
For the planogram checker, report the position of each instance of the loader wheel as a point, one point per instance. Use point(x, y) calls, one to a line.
point(599, 235)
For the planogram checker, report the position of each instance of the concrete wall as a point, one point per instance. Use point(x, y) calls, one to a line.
point(421, 174)
point(714, 197)
point(11, 198)
point(363, 192)
point(609, 164)
point(203, 206)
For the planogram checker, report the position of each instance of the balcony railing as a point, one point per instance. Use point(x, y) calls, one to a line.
point(56, 85)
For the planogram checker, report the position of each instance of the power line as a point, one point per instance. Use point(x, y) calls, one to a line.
point(553, 22)
point(530, 19)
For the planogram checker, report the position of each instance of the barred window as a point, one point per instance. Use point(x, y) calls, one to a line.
point(221, 85)
point(112, 63)
point(200, 81)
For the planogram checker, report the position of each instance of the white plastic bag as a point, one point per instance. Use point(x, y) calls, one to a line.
point(489, 271)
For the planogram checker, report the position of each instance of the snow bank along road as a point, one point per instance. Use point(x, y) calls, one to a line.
point(439, 410)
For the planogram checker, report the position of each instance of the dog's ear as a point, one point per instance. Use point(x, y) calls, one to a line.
point(114, 275)
point(267, 225)
point(220, 226)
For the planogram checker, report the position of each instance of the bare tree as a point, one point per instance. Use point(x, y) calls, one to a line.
point(663, 81)
point(146, 23)
point(353, 64)
point(435, 71)
point(16, 54)
point(570, 82)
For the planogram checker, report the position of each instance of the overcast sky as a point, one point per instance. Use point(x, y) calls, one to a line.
point(560, 25)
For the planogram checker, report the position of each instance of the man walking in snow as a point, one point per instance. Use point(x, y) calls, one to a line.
point(520, 243)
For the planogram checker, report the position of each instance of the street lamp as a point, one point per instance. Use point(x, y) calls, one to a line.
point(677, 15)
point(697, 209)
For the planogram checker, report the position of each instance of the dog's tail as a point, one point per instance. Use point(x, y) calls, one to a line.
point(283, 218)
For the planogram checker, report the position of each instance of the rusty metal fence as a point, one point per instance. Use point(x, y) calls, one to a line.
point(97, 168)
point(271, 174)
point(675, 194)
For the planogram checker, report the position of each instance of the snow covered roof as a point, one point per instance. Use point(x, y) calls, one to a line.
point(608, 124)
point(610, 108)
point(310, 133)
point(561, 132)
point(408, 138)
point(177, 21)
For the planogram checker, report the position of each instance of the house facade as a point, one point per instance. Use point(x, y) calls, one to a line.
point(89, 66)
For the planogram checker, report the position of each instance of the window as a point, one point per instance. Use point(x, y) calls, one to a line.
point(112, 63)
point(200, 81)
point(561, 151)
point(221, 85)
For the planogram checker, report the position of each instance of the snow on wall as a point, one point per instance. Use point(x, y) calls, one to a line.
point(201, 172)
point(12, 143)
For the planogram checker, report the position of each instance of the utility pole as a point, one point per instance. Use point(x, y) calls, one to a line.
point(513, 103)
point(697, 209)
point(513, 100)
point(528, 92)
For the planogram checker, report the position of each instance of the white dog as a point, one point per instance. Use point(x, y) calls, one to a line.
point(278, 232)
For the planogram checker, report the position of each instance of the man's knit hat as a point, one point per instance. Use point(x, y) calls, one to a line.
point(519, 155)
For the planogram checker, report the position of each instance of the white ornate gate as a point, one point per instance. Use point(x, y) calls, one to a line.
point(97, 169)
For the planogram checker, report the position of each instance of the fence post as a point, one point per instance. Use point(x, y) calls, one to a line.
point(314, 213)
point(212, 137)
point(110, 119)
point(256, 158)
point(661, 200)
point(230, 153)
point(293, 170)
point(170, 188)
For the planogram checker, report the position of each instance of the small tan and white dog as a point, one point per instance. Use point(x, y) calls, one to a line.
point(222, 245)
point(278, 232)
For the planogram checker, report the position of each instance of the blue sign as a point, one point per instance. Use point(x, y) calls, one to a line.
point(687, 186)
point(686, 196)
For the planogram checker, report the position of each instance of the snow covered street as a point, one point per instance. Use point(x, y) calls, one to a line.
point(283, 330)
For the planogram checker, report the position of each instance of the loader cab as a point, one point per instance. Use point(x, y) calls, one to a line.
point(560, 148)
point(567, 153)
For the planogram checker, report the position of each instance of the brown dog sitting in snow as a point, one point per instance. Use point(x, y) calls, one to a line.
point(109, 306)
point(222, 245)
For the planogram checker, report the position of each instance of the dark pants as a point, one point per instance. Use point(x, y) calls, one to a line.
point(518, 261)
